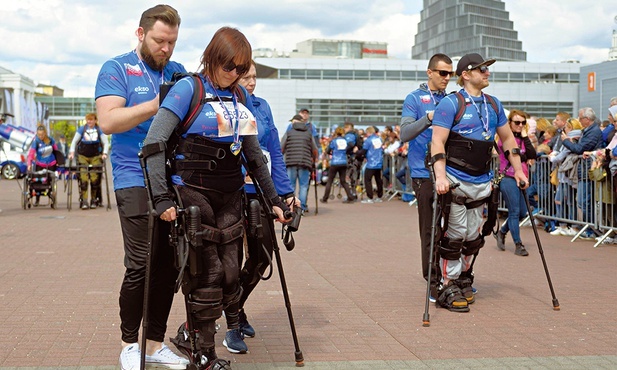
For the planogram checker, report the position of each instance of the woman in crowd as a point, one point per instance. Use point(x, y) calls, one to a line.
point(515, 202)
point(207, 173)
point(258, 259)
point(41, 153)
point(338, 148)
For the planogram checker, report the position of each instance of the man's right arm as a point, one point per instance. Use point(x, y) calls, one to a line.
point(412, 123)
point(115, 117)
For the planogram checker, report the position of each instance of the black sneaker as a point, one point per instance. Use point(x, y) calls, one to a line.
point(94, 204)
point(83, 204)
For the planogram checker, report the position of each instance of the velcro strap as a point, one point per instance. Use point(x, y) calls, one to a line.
point(192, 165)
point(149, 149)
point(515, 151)
point(253, 165)
point(210, 233)
point(232, 233)
point(189, 147)
point(437, 157)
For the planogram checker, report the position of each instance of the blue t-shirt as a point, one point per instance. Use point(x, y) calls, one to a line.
point(417, 104)
point(269, 141)
point(470, 125)
point(44, 153)
point(338, 145)
point(214, 120)
point(127, 77)
point(374, 152)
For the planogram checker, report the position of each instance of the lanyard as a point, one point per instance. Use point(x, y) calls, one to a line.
point(143, 66)
point(235, 126)
point(487, 133)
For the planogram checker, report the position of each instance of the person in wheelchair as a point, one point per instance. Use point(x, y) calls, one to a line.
point(206, 171)
point(92, 147)
point(41, 156)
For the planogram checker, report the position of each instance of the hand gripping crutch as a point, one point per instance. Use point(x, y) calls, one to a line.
point(535, 232)
point(151, 220)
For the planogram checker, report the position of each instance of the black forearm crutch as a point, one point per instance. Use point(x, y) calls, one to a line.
point(426, 318)
point(267, 207)
point(151, 220)
point(535, 232)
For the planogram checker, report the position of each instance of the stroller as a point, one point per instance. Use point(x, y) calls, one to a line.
point(37, 184)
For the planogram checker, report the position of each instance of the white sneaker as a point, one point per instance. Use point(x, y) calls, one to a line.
point(609, 240)
point(130, 357)
point(165, 358)
point(378, 200)
point(365, 201)
point(558, 231)
point(567, 231)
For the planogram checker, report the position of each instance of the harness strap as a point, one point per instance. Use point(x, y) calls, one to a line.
point(194, 165)
point(232, 232)
point(186, 146)
point(150, 149)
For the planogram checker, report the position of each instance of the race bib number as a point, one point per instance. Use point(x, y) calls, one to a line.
point(376, 143)
point(341, 144)
point(226, 115)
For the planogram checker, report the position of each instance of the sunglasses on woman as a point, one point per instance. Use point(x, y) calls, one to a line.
point(240, 69)
point(518, 123)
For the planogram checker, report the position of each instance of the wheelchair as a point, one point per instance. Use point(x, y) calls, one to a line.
point(39, 184)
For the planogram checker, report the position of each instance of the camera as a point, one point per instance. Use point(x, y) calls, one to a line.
point(296, 215)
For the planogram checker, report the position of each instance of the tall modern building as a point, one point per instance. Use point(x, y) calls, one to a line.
point(459, 27)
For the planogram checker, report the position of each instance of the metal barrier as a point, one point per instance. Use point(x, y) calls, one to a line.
point(589, 201)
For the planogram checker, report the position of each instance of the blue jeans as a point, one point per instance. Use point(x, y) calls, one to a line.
point(584, 199)
point(303, 176)
point(516, 207)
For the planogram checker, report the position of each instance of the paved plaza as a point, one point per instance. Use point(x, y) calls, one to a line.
point(356, 289)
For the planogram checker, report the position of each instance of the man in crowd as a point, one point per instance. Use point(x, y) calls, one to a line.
point(418, 110)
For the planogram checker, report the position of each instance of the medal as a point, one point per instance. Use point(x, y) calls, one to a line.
point(235, 147)
point(486, 135)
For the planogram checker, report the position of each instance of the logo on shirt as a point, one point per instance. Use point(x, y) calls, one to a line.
point(133, 70)
point(425, 99)
point(142, 90)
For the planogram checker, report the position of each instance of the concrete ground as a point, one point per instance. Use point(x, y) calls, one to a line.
point(355, 284)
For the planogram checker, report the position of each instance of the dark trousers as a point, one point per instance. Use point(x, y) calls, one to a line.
point(258, 258)
point(341, 170)
point(423, 188)
point(133, 211)
point(369, 174)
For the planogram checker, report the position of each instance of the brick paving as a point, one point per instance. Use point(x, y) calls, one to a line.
point(356, 290)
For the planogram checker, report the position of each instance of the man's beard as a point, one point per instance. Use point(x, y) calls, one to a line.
point(149, 59)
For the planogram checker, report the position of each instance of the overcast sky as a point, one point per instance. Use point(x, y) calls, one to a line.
point(65, 42)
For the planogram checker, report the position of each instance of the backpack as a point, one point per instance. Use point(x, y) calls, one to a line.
point(90, 150)
point(461, 106)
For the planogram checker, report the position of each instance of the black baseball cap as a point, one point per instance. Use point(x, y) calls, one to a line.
point(472, 61)
point(304, 110)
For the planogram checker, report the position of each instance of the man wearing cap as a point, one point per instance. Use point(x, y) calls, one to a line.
point(461, 149)
point(300, 153)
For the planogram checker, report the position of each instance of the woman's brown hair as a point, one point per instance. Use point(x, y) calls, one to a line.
point(228, 45)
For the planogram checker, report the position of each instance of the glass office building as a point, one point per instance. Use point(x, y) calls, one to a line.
point(459, 27)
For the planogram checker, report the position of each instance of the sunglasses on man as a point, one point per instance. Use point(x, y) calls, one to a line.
point(443, 73)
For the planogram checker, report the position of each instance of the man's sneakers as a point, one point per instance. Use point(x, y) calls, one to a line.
point(451, 298)
point(165, 358)
point(368, 201)
point(234, 341)
point(130, 357)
